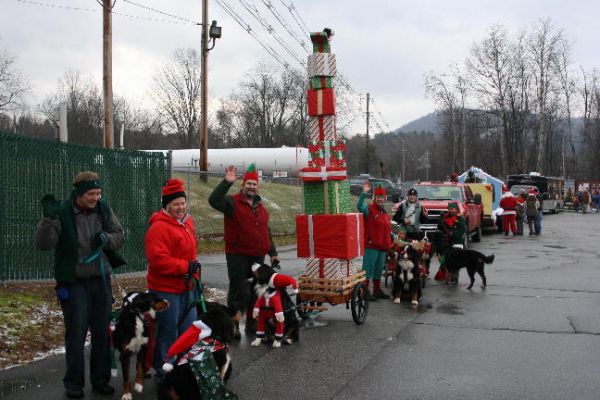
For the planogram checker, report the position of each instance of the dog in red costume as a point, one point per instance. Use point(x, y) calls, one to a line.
point(274, 305)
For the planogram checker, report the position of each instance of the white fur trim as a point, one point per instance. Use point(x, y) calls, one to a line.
point(255, 267)
point(271, 285)
point(167, 367)
point(205, 330)
point(127, 396)
point(292, 291)
point(138, 388)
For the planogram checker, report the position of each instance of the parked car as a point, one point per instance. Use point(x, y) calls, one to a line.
point(392, 190)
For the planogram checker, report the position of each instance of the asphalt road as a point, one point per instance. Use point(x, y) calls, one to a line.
point(534, 333)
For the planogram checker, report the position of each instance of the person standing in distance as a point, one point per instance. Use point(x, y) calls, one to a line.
point(85, 234)
point(247, 239)
point(172, 252)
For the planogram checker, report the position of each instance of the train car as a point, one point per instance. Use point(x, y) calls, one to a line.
point(279, 162)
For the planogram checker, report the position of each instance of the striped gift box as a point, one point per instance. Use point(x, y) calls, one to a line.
point(321, 128)
point(332, 268)
point(321, 64)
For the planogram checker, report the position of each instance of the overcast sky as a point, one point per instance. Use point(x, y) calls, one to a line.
point(382, 47)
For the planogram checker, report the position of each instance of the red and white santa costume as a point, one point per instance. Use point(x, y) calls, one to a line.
point(508, 202)
point(269, 305)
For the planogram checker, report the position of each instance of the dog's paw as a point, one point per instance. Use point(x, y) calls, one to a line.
point(414, 302)
point(276, 344)
point(138, 388)
point(127, 396)
point(397, 300)
point(288, 341)
point(256, 342)
point(483, 286)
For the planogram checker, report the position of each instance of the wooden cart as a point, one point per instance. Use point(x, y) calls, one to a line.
point(350, 290)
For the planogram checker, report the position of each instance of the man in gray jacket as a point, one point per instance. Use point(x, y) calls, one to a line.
point(409, 214)
point(84, 233)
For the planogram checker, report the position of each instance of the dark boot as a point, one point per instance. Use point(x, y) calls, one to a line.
point(250, 326)
point(377, 292)
point(236, 330)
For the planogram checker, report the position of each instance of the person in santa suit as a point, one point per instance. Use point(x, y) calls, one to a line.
point(509, 203)
point(378, 237)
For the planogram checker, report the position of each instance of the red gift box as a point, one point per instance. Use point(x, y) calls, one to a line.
point(330, 236)
point(318, 174)
point(321, 102)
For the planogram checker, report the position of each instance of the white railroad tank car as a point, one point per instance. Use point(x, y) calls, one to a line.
point(279, 161)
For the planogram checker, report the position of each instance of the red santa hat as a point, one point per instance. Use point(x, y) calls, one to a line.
point(251, 174)
point(279, 281)
point(197, 331)
point(173, 189)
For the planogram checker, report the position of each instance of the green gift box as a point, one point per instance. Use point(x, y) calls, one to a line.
point(320, 42)
point(320, 82)
point(321, 48)
point(328, 197)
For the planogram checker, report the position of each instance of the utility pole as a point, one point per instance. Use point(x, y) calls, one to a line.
point(367, 141)
point(107, 74)
point(203, 95)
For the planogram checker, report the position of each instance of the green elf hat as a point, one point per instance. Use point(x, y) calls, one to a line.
point(379, 191)
point(251, 173)
point(453, 205)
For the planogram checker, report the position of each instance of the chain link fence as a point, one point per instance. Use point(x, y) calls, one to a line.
point(30, 168)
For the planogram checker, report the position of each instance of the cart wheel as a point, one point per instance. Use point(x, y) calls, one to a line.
point(359, 303)
point(302, 313)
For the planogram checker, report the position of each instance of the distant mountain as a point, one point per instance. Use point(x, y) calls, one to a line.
point(426, 123)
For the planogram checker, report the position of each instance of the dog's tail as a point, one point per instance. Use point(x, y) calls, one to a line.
point(489, 259)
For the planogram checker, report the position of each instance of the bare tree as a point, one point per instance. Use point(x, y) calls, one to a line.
point(13, 85)
point(176, 94)
point(544, 48)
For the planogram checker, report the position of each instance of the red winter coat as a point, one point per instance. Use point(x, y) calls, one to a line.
point(170, 246)
point(378, 229)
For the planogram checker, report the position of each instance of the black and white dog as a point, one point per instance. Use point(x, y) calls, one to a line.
point(217, 329)
point(407, 277)
point(132, 334)
point(271, 284)
point(474, 261)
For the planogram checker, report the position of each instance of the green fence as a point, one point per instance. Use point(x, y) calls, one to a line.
point(30, 168)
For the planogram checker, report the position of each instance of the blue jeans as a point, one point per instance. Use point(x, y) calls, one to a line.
point(538, 222)
point(88, 307)
point(172, 322)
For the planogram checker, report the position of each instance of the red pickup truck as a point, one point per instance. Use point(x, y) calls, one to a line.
point(435, 196)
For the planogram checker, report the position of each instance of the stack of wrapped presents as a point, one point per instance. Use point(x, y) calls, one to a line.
point(328, 234)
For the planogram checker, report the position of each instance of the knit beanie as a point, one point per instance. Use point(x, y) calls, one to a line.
point(173, 189)
point(251, 174)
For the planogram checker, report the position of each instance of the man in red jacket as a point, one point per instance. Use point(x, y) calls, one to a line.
point(247, 238)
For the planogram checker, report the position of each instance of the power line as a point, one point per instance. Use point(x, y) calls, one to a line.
point(162, 12)
point(50, 5)
point(285, 26)
point(297, 17)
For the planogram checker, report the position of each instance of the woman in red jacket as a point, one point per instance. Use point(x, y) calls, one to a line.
point(171, 251)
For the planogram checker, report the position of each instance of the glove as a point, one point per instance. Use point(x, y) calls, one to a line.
point(62, 293)
point(50, 207)
point(279, 317)
point(101, 238)
point(193, 267)
point(167, 367)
